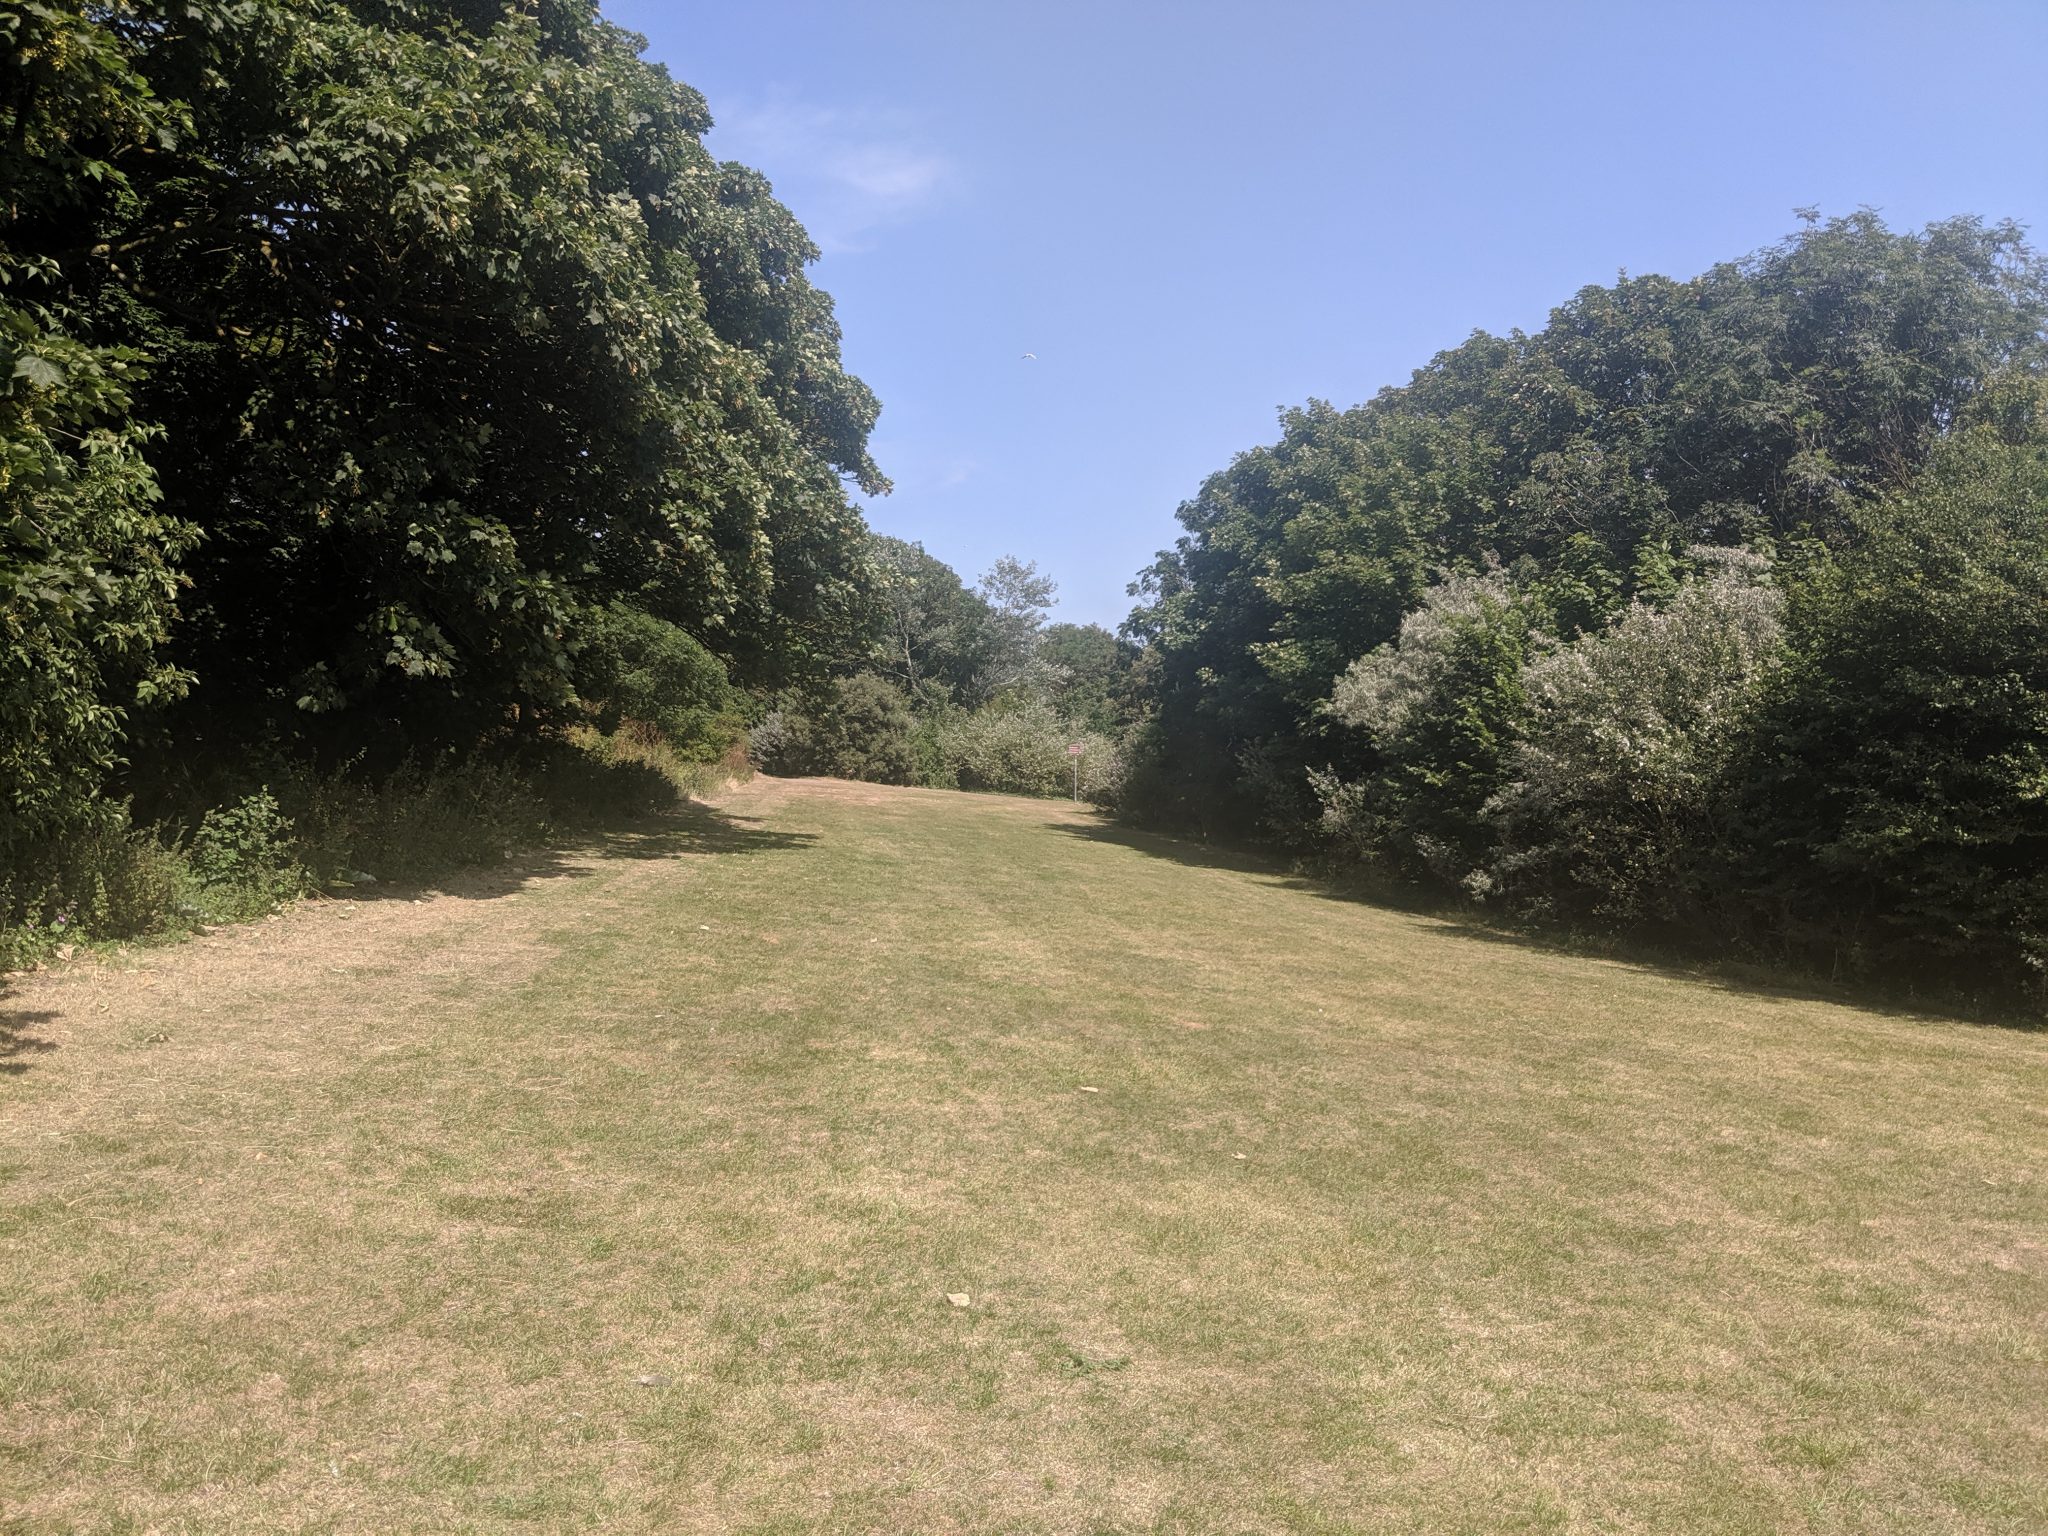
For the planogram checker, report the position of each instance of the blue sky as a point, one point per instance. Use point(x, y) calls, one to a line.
point(1197, 213)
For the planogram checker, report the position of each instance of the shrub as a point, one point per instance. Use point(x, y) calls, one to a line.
point(1620, 797)
point(1442, 706)
point(1020, 748)
point(634, 666)
point(780, 741)
point(636, 746)
point(1899, 801)
point(103, 879)
point(336, 827)
point(243, 856)
point(857, 727)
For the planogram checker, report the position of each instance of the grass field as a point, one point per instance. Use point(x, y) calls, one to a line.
point(627, 1191)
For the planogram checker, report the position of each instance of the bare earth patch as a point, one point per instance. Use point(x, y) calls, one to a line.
point(628, 1189)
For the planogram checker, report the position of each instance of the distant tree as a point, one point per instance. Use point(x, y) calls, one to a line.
point(932, 626)
point(1015, 597)
point(1094, 672)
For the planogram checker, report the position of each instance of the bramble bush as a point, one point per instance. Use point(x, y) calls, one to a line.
point(243, 856)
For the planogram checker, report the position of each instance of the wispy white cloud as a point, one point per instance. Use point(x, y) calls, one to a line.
point(848, 173)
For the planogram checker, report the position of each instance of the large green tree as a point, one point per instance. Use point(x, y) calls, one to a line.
point(1898, 798)
point(1767, 398)
point(456, 329)
point(88, 573)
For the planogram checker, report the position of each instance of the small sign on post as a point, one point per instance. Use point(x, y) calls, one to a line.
point(1074, 750)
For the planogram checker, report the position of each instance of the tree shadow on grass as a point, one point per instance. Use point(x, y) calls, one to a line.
point(1432, 911)
point(689, 828)
point(685, 829)
point(18, 1047)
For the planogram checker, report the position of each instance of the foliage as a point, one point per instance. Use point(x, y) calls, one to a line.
point(933, 627)
point(1899, 803)
point(242, 854)
point(454, 331)
point(1021, 749)
point(636, 746)
point(1014, 599)
point(100, 878)
point(1620, 792)
point(857, 727)
point(945, 644)
point(633, 666)
point(1095, 678)
point(481, 329)
point(333, 827)
point(88, 572)
point(1441, 706)
point(386, 374)
point(1767, 399)
point(965, 689)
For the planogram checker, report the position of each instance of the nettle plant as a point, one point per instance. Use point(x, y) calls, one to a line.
point(244, 852)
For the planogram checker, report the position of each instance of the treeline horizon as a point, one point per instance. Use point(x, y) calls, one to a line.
point(401, 395)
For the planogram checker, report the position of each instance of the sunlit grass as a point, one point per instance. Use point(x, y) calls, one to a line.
point(631, 1195)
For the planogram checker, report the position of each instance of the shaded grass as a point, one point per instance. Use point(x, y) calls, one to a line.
point(629, 1192)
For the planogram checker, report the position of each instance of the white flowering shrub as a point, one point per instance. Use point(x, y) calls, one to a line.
point(1385, 693)
point(1618, 799)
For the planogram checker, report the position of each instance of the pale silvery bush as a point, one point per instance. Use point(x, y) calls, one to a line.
point(1442, 705)
point(775, 745)
point(1021, 749)
point(1104, 769)
point(1617, 801)
point(1381, 693)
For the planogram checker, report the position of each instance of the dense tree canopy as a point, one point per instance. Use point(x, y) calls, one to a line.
point(1898, 803)
point(1712, 610)
point(449, 328)
point(1765, 400)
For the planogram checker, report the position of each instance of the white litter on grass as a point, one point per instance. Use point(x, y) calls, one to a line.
point(960, 1298)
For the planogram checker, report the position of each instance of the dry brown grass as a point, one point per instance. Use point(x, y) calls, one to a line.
point(373, 1218)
